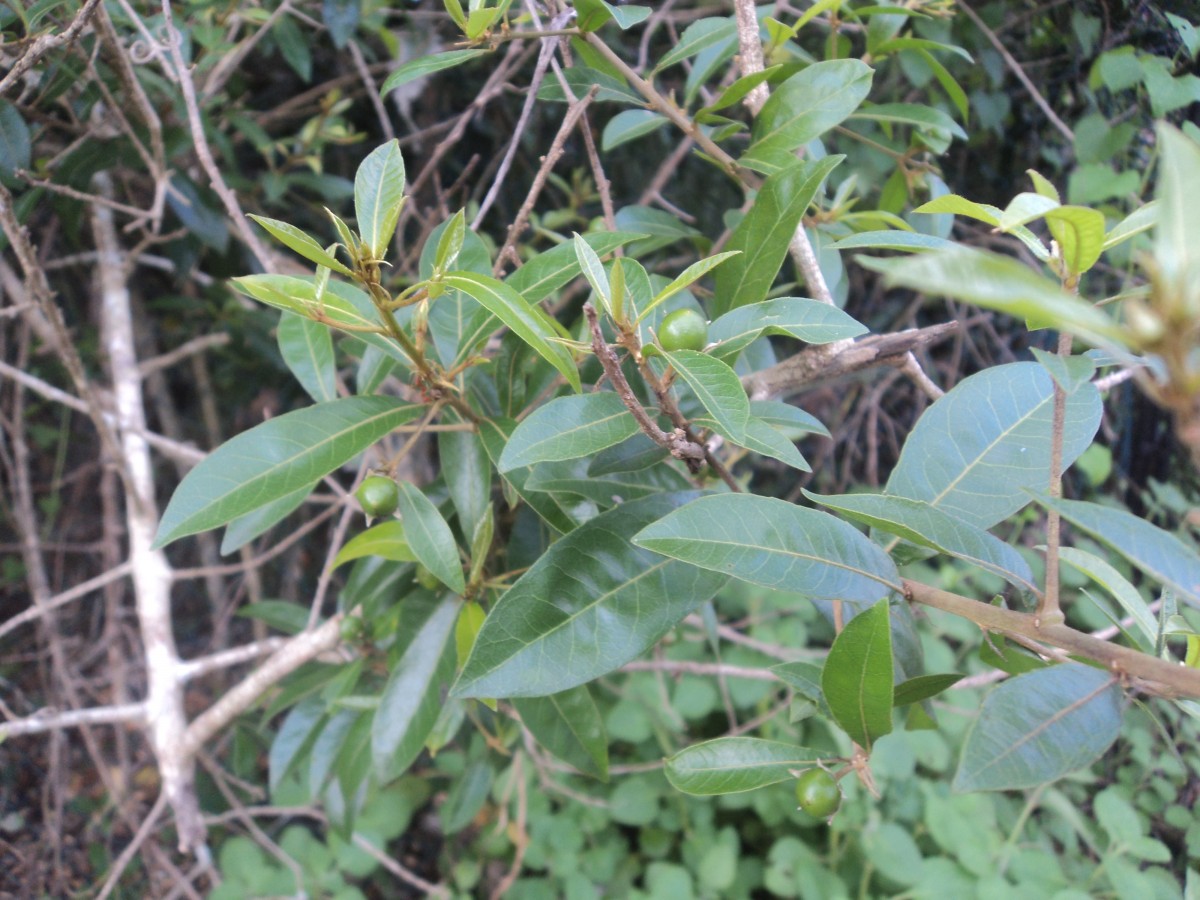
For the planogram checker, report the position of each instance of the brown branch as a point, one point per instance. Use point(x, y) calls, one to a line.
point(47, 42)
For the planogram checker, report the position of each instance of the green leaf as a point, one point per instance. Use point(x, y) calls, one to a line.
point(696, 37)
point(277, 458)
point(244, 529)
point(1118, 587)
point(1141, 219)
point(910, 241)
point(857, 677)
point(766, 231)
point(1080, 235)
point(961, 206)
point(977, 451)
point(807, 320)
point(925, 118)
point(692, 273)
point(341, 17)
point(568, 428)
point(590, 604)
point(1175, 237)
point(570, 726)
point(805, 679)
point(495, 433)
point(514, 311)
point(297, 733)
point(593, 271)
point(922, 687)
point(1156, 552)
point(385, 540)
point(424, 66)
point(766, 440)
point(307, 348)
point(580, 80)
point(467, 472)
point(1070, 372)
point(575, 477)
point(14, 140)
point(550, 270)
point(927, 526)
point(1040, 726)
point(450, 243)
point(776, 544)
point(808, 104)
point(292, 237)
point(378, 195)
point(730, 765)
point(1003, 284)
point(430, 537)
point(412, 697)
point(716, 386)
point(629, 125)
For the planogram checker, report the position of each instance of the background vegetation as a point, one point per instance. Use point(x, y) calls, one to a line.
point(135, 138)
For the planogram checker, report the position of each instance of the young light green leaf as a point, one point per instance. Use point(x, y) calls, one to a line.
point(590, 604)
point(1156, 552)
point(450, 244)
point(292, 237)
point(378, 195)
point(1141, 219)
point(733, 764)
point(412, 697)
point(1024, 208)
point(977, 451)
point(307, 348)
point(1079, 232)
point(430, 537)
point(717, 387)
point(808, 104)
point(277, 458)
point(911, 241)
point(424, 66)
point(692, 273)
point(550, 270)
point(961, 206)
point(927, 526)
point(1117, 586)
point(1040, 726)
point(765, 232)
point(857, 677)
point(570, 726)
point(776, 544)
point(569, 428)
point(1001, 283)
point(593, 271)
point(512, 309)
point(807, 320)
point(385, 540)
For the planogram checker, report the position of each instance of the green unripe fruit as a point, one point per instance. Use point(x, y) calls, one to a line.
point(684, 329)
point(378, 496)
point(817, 793)
point(353, 629)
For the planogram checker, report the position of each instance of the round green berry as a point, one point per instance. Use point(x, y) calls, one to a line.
point(378, 496)
point(684, 329)
point(353, 629)
point(817, 793)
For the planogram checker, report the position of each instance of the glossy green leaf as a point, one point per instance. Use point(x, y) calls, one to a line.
point(857, 677)
point(927, 526)
point(424, 66)
point(412, 697)
point(385, 540)
point(296, 735)
point(307, 348)
point(1001, 283)
point(629, 125)
point(766, 231)
point(687, 277)
point(808, 104)
point(590, 604)
point(1040, 726)
point(696, 37)
point(807, 320)
point(568, 428)
point(766, 440)
point(550, 270)
point(1118, 587)
point(593, 271)
point(775, 544)
point(430, 537)
point(1175, 236)
point(450, 242)
point(1158, 553)
point(570, 726)
point(977, 451)
point(924, 118)
point(514, 311)
point(244, 529)
point(575, 477)
point(922, 687)
point(277, 458)
point(632, 455)
point(716, 386)
point(791, 420)
point(467, 472)
point(292, 237)
point(894, 239)
point(495, 433)
point(730, 765)
point(378, 195)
